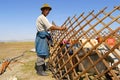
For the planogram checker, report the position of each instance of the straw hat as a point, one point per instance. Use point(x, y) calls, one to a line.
point(46, 6)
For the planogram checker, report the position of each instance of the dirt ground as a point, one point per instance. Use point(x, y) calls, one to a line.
point(23, 68)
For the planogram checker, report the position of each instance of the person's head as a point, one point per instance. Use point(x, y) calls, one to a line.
point(45, 9)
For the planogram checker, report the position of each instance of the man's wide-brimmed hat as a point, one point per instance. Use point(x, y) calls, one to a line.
point(46, 6)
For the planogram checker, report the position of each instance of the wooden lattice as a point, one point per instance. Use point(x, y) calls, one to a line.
point(91, 47)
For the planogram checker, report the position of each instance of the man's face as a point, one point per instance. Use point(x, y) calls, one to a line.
point(46, 11)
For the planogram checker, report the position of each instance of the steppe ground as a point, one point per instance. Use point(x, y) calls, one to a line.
point(23, 68)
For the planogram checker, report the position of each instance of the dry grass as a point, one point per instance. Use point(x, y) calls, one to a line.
point(23, 69)
point(10, 49)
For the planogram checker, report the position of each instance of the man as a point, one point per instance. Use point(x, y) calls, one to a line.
point(41, 45)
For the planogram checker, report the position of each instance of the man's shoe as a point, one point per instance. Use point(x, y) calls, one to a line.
point(40, 71)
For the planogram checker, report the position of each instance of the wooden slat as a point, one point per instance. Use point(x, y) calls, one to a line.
point(85, 27)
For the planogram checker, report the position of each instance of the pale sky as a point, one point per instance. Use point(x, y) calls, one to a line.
point(18, 17)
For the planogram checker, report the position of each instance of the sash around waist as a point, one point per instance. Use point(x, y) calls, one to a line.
point(42, 34)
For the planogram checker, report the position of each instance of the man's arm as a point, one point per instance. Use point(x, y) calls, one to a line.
point(57, 28)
